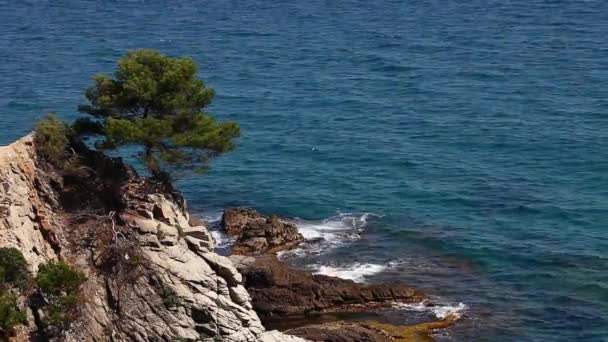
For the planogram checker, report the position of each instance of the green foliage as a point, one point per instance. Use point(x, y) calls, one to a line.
point(13, 268)
point(169, 297)
point(58, 278)
point(148, 83)
point(52, 138)
point(11, 315)
point(59, 284)
point(86, 126)
point(157, 102)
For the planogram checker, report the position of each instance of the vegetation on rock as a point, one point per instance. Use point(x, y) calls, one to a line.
point(13, 268)
point(52, 138)
point(14, 276)
point(11, 315)
point(156, 102)
point(59, 284)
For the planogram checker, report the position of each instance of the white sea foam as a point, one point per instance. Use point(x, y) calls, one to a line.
point(222, 240)
point(328, 234)
point(440, 310)
point(357, 272)
point(320, 236)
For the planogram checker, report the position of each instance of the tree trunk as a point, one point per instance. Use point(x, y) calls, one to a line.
point(157, 174)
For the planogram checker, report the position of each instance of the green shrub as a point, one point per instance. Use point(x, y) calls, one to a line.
point(169, 297)
point(52, 138)
point(11, 315)
point(13, 268)
point(58, 278)
point(59, 283)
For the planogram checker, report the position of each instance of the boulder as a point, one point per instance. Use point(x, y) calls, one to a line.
point(235, 219)
point(259, 234)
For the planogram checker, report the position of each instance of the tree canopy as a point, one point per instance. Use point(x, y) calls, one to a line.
point(157, 102)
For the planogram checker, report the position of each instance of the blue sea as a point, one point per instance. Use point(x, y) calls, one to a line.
point(460, 146)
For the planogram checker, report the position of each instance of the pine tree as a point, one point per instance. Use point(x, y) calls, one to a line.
point(157, 102)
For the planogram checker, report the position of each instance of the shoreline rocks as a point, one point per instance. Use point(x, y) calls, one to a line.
point(276, 289)
point(280, 292)
point(259, 234)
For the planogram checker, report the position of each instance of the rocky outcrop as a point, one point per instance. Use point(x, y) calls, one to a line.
point(151, 276)
point(259, 234)
point(341, 332)
point(372, 331)
point(279, 290)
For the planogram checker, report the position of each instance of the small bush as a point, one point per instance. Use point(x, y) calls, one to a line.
point(169, 297)
point(13, 268)
point(52, 138)
point(58, 278)
point(11, 315)
point(59, 284)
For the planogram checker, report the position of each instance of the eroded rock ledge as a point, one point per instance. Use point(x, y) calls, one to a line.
point(151, 276)
point(279, 290)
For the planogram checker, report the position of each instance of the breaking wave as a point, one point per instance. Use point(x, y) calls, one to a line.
point(335, 231)
point(439, 310)
point(357, 272)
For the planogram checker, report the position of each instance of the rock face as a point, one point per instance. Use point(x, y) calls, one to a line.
point(278, 290)
point(26, 221)
point(150, 275)
point(259, 234)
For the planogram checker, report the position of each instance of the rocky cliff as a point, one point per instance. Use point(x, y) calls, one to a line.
point(151, 274)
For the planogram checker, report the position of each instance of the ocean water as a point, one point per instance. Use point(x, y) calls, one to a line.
point(458, 146)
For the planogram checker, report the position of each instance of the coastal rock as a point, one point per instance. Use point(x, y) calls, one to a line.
point(341, 332)
point(372, 331)
point(235, 219)
point(276, 289)
point(259, 234)
point(275, 336)
point(151, 276)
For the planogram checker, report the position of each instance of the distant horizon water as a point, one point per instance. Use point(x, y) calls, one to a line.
point(460, 147)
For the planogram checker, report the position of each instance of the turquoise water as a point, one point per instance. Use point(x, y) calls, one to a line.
point(475, 133)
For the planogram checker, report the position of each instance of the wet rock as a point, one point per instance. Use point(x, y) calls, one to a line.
point(341, 332)
point(259, 234)
point(276, 289)
point(235, 219)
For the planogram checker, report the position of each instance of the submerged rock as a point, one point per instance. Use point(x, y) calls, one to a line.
point(259, 234)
